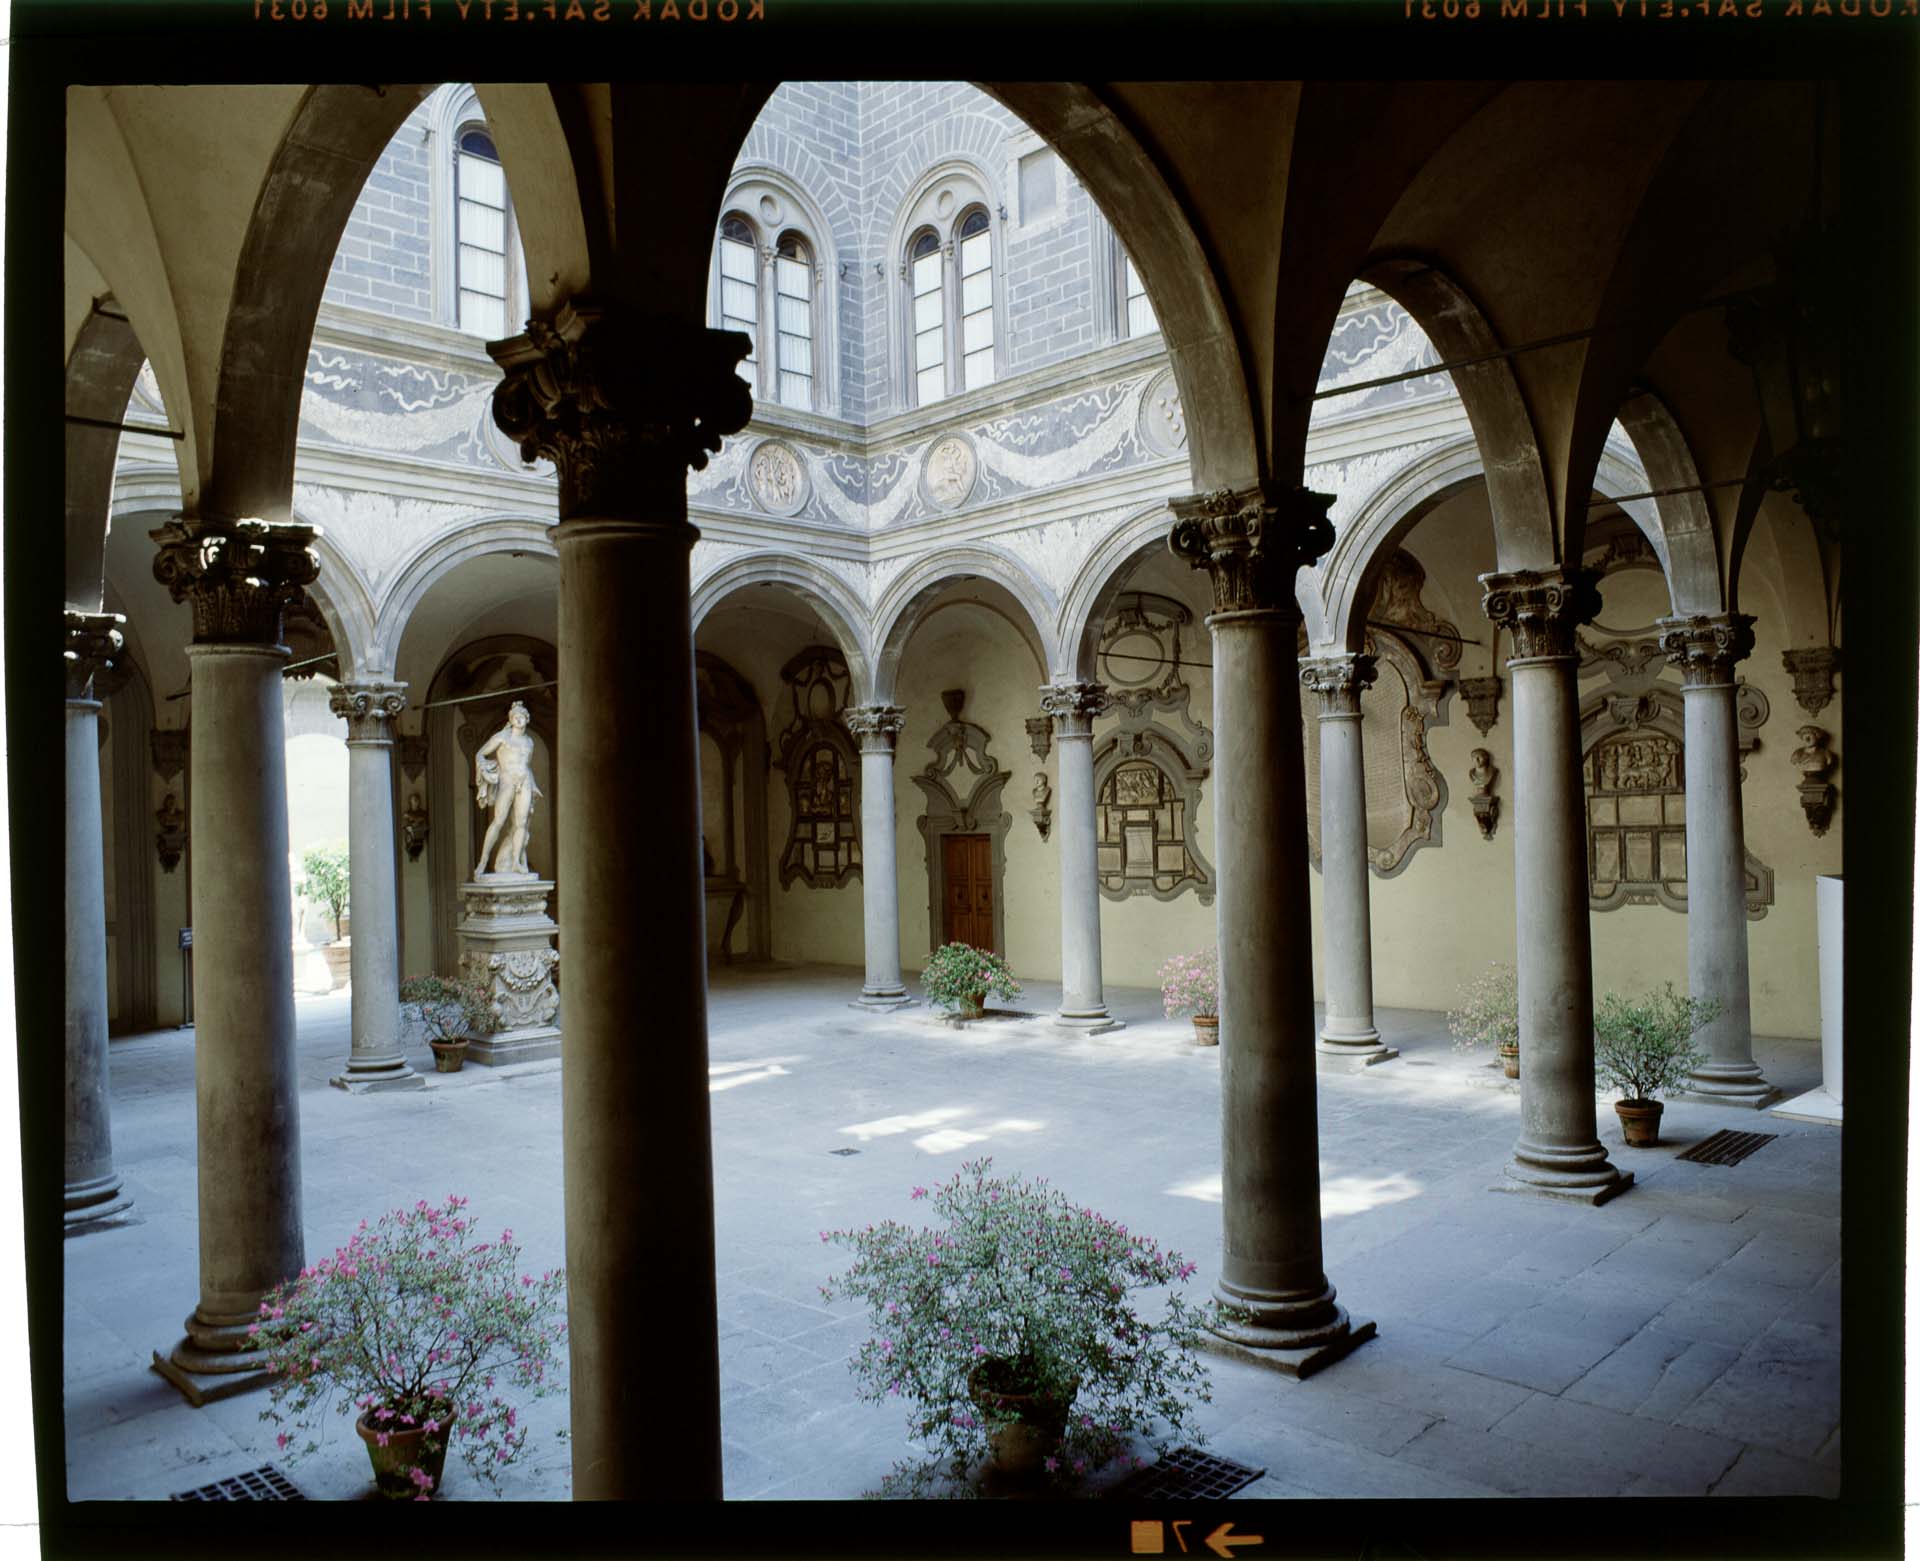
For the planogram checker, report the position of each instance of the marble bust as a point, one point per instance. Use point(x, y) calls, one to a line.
point(503, 781)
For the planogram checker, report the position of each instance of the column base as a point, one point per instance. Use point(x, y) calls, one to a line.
point(1297, 1363)
point(1735, 1086)
point(217, 1359)
point(882, 1002)
point(1097, 1022)
point(393, 1074)
point(533, 1044)
point(1351, 1053)
point(94, 1204)
point(1581, 1173)
point(201, 1388)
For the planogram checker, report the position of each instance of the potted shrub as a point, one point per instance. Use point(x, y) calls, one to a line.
point(325, 879)
point(451, 1011)
point(1489, 1015)
point(418, 1327)
point(959, 976)
point(1643, 1046)
point(1190, 984)
point(1011, 1330)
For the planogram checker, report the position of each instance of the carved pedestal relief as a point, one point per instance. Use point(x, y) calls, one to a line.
point(1486, 806)
point(1812, 672)
point(823, 773)
point(1147, 772)
point(961, 764)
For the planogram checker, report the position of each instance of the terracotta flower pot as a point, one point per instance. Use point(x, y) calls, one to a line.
point(407, 1448)
point(1640, 1121)
point(1206, 1029)
point(1030, 1424)
point(1510, 1060)
point(449, 1055)
point(974, 1006)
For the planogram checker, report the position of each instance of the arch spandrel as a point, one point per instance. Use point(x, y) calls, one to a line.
point(829, 597)
point(913, 592)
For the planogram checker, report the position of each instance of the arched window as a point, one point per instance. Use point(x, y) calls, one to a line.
point(976, 301)
point(1136, 311)
point(480, 234)
point(793, 321)
point(740, 289)
point(929, 320)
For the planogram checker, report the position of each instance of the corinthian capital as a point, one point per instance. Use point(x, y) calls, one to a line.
point(241, 575)
point(369, 709)
point(1705, 648)
point(1252, 541)
point(1073, 706)
point(93, 640)
point(622, 407)
point(876, 726)
point(1540, 608)
point(1338, 681)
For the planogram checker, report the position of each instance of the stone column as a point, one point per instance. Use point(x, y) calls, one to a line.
point(1705, 650)
point(1251, 542)
point(623, 406)
point(239, 575)
point(1558, 1152)
point(878, 729)
point(93, 1193)
point(1348, 1038)
point(375, 1060)
point(1083, 1002)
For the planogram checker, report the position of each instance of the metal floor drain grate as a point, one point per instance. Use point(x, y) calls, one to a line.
point(263, 1484)
point(1726, 1147)
point(843, 1151)
point(1186, 1475)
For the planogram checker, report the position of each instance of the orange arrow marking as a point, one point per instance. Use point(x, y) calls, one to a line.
point(1222, 1539)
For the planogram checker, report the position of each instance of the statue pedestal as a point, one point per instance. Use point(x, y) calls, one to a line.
point(506, 939)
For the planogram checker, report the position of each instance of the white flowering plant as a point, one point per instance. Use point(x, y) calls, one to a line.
point(418, 1326)
point(1020, 1293)
point(1644, 1045)
point(1489, 1011)
point(956, 974)
point(1190, 984)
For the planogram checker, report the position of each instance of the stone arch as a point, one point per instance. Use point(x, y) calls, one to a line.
point(445, 553)
point(1100, 578)
point(1503, 429)
point(906, 601)
point(101, 371)
point(826, 593)
point(1688, 544)
point(1350, 570)
point(336, 135)
point(1223, 440)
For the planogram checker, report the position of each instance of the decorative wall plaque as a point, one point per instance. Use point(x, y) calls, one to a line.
point(951, 469)
point(1163, 421)
point(778, 478)
point(822, 769)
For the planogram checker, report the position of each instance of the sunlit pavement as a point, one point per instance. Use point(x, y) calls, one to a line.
point(1682, 1339)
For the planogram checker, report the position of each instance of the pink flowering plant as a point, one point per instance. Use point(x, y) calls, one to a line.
point(1190, 984)
point(956, 973)
point(420, 1326)
point(1021, 1293)
point(1489, 1011)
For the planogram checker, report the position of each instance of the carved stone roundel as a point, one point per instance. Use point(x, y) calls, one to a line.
point(779, 478)
point(951, 468)
point(1163, 422)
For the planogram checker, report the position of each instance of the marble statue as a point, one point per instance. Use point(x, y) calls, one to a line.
point(503, 780)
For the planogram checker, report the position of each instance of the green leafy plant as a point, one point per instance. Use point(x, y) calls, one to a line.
point(1190, 984)
point(1489, 1011)
point(1020, 1291)
point(957, 973)
point(415, 1325)
point(324, 879)
point(1644, 1045)
point(449, 1008)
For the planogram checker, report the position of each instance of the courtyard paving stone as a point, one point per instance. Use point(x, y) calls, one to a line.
point(1682, 1338)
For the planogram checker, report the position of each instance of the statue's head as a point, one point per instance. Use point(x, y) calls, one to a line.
point(517, 716)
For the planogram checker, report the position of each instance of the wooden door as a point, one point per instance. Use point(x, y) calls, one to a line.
point(966, 869)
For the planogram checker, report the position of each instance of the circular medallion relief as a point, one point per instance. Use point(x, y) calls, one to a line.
point(1133, 659)
point(943, 203)
point(770, 210)
point(1163, 423)
point(951, 468)
point(778, 478)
